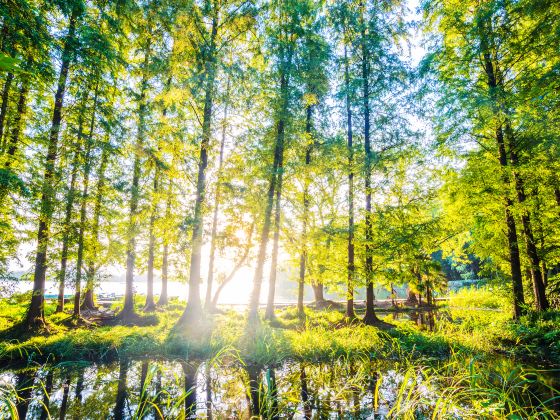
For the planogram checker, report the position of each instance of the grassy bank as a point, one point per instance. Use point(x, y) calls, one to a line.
point(322, 335)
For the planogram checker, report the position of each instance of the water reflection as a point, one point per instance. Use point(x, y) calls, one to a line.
point(172, 389)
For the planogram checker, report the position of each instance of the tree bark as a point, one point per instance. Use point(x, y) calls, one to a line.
point(194, 307)
point(351, 267)
point(208, 299)
point(541, 302)
point(35, 317)
point(269, 313)
point(303, 254)
point(4, 106)
point(369, 318)
point(150, 304)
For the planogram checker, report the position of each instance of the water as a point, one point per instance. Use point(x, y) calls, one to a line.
point(155, 389)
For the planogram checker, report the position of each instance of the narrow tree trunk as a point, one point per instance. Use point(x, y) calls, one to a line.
point(163, 298)
point(69, 210)
point(208, 299)
point(350, 314)
point(269, 314)
point(35, 315)
point(83, 209)
point(89, 301)
point(370, 318)
point(275, 180)
point(541, 302)
point(303, 254)
point(193, 309)
point(128, 308)
point(150, 304)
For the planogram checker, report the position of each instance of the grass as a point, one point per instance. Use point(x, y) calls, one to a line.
point(322, 335)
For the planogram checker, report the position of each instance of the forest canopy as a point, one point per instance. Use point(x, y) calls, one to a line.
point(353, 144)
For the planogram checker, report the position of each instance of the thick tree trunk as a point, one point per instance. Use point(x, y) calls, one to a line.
point(4, 106)
point(12, 143)
point(318, 293)
point(35, 316)
point(89, 301)
point(208, 299)
point(351, 267)
point(541, 302)
point(128, 308)
point(369, 318)
point(194, 307)
point(150, 304)
point(411, 298)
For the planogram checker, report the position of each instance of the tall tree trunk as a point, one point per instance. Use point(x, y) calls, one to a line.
point(208, 299)
point(12, 143)
point(163, 298)
point(193, 309)
point(35, 316)
point(351, 267)
point(150, 304)
point(269, 314)
point(89, 301)
point(273, 185)
point(303, 253)
point(83, 209)
point(128, 308)
point(69, 210)
point(515, 261)
point(369, 318)
point(4, 106)
point(541, 302)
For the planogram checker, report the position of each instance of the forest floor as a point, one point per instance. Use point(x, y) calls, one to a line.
point(321, 335)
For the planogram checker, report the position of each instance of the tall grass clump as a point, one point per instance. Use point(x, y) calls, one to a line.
point(486, 297)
